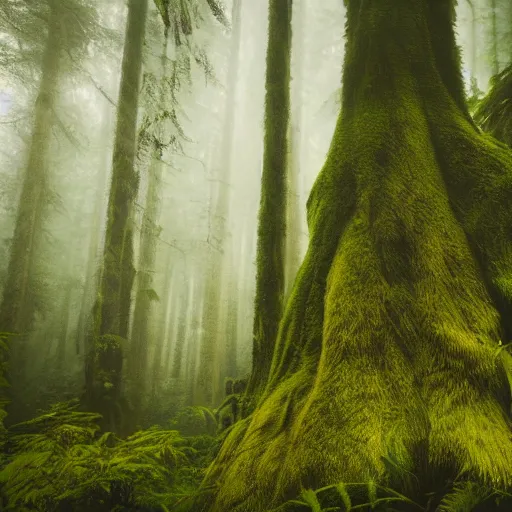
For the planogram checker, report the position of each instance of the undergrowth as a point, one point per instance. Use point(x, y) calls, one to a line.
point(463, 496)
point(60, 461)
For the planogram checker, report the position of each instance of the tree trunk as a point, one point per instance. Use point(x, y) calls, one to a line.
point(22, 290)
point(25, 292)
point(494, 39)
point(194, 350)
point(163, 323)
point(270, 275)
point(112, 309)
point(139, 342)
point(388, 347)
point(294, 206)
point(181, 333)
point(92, 277)
point(231, 330)
point(65, 315)
point(150, 232)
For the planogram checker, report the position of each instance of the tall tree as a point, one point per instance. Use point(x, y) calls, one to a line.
point(51, 30)
point(151, 137)
point(270, 274)
point(388, 349)
point(20, 298)
point(112, 308)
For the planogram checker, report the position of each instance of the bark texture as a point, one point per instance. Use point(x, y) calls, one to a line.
point(270, 274)
point(388, 346)
point(112, 308)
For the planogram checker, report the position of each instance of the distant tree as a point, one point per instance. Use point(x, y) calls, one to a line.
point(111, 312)
point(212, 361)
point(58, 32)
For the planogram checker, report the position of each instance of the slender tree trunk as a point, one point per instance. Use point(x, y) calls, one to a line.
point(172, 332)
point(145, 295)
point(294, 207)
point(112, 309)
point(194, 356)
point(65, 312)
point(390, 341)
point(92, 272)
point(182, 331)
point(25, 290)
point(163, 323)
point(193, 324)
point(232, 326)
point(150, 232)
point(22, 289)
point(270, 275)
point(494, 39)
point(212, 353)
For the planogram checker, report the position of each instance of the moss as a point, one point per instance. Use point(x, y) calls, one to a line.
point(270, 275)
point(387, 348)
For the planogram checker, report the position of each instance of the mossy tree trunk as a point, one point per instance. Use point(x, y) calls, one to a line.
point(270, 273)
point(112, 308)
point(388, 347)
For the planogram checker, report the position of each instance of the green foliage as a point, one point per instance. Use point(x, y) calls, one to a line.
point(348, 497)
point(59, 461)
point(196, 420)
point(494, 112)
point(180, 16)
point(464, 496)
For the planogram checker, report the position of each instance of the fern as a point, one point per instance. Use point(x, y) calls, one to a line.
point(60, 461)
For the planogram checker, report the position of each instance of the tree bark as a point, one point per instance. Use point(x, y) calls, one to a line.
point(112, 309)
point(388, 346)
point(270, 273)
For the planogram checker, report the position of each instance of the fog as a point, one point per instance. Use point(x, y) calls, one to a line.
point(198, 158)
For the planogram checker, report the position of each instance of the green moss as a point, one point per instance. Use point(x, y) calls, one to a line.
point(385, 366)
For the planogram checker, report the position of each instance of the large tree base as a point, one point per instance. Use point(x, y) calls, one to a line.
point(387, 366)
